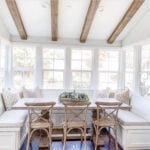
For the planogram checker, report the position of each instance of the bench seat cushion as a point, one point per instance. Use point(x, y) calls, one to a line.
point(129, 118)
point(13, 118)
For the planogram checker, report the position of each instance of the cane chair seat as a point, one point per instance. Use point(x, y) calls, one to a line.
point(39, 125)
point(75, 118)
point(38, 120)
point(74, 124)
point(104, 122)
point(107, 116)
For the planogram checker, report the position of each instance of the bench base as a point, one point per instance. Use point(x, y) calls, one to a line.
point(134, 137)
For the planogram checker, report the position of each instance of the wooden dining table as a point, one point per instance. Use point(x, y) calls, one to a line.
point(20, 104)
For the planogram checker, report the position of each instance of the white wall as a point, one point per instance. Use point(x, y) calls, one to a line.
point(140, 32)
point(3, 30)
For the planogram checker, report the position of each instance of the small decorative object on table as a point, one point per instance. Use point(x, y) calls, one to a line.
point(73, 96)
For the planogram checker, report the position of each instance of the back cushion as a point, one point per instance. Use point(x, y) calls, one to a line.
point(10, 98)
point(32, 93)
point(141, 106)
point(103, 93)
point(2, 108)
point(123, 96)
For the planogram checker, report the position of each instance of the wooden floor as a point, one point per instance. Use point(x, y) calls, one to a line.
point(74, 144)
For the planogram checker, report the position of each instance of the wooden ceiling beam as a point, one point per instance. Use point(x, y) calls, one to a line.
point(125, 20)
point(89, 19)
point(54, 19)
point(14, 11)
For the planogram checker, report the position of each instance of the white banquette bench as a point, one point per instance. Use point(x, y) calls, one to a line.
point(133, 130)
point(13, 127)
point(134, 125)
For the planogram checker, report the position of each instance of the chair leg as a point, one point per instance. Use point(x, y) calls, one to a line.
point(109, 135)
point(28, 142)
point(50, 137)
point(85, 146)
point(30, 133)
point(65, 136)
point(96, 137)
point(116, 143)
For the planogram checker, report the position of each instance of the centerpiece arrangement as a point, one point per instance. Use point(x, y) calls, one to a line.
point(73, 96)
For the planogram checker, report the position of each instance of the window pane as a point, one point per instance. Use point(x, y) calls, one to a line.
point(129, 80)
point(23, 79)
point(23, 57)
point(81, 60)
point(2, 67)
point(145, 64)
point(48, 76)
point(81, 79)
point(53, 58)
point(145, 58)
point(129, 64)
point(23, 66)
point(59, 64)
point(48, 53)
point(59, 54)
point(108, 80)
point(145, 83)
point(53, 68)
point(76, 65)
point(129, 60)
point(76, 54)
point(108, 69)
point(86, 64)
point(81, 65)
point(48, 64)
point(145, 70)
point(108, 60)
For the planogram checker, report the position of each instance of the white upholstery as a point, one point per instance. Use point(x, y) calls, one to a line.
point(134, 126)
point(129, 118)
point(141, 107)
point(32, 93)
point(13, 128)
point(13, 118)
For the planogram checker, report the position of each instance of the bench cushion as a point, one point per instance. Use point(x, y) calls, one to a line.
point(13, 118)
point(129, 118)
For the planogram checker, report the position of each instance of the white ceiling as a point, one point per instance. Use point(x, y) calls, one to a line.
point(37, 19)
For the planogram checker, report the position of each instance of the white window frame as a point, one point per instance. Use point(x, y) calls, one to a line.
point(53, 70)
point(22, 69)
point(90, 71)
point(106, 71)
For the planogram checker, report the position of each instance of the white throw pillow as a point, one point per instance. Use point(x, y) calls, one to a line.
point(103, 93)
point(10, 98)
point(32, 93)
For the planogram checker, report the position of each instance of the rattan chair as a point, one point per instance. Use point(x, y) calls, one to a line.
point(38, 121)
point(75, 118)
point(107, 113)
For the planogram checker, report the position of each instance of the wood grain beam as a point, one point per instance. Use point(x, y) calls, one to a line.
point(125, 20)
point(14, 11)
point(89, 19)
point(54, 19)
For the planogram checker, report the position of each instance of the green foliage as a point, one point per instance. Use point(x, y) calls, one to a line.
point(73, 96)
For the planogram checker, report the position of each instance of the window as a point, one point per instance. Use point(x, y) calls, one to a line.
point(145, 70)
point(2, 67)
point(108, 69)
point(81, 67)
point(23, 67)
point(129, 68)
point(53, 68)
